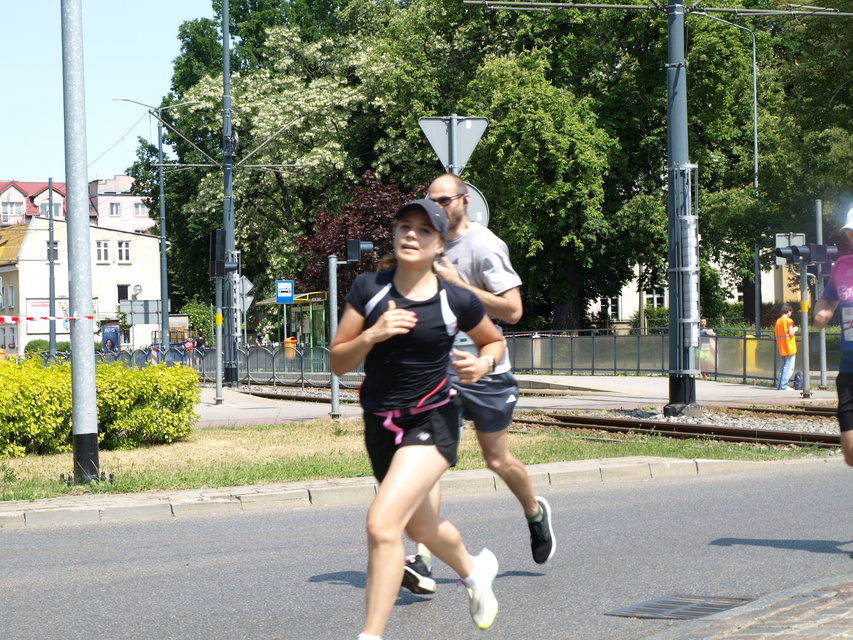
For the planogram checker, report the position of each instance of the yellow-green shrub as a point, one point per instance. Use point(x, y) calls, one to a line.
point(35, 408)
point(152, 405)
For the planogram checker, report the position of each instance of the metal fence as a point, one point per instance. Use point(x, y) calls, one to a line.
point(737, 355)
point(284, 365)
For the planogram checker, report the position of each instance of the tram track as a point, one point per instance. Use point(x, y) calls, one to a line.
point(612, 424)
point(684, 430)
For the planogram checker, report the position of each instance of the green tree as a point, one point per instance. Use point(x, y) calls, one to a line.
point(367, 216)
point(542, 162)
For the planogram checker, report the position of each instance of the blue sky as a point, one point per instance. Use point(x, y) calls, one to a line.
point(128, 50)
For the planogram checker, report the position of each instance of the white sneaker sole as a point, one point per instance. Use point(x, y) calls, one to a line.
point(547, 508)
point(416, 583)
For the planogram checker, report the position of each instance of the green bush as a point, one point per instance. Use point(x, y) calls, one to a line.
point(35, 346)
point(657, 319)
point(152, 405)
point(35, 408)
point(136, 407)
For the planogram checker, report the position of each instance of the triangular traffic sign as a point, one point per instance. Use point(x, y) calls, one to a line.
point(467, 132)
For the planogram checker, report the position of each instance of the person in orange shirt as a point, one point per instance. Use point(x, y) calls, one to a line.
point(785, 332)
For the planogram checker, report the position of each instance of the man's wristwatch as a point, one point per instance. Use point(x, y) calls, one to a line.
point(491, 361)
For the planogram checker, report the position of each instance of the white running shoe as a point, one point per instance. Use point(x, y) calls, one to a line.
point(481, 601)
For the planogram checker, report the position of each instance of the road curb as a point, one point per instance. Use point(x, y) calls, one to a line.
point(93, 508)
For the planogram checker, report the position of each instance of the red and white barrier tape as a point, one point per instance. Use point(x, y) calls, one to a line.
point(13, 319)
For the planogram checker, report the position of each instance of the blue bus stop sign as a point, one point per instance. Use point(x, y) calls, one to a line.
point(284, 291)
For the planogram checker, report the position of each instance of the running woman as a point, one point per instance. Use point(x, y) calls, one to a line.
point(402, 323)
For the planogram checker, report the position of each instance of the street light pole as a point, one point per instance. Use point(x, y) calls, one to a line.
point(164, 276)
point(157, 112)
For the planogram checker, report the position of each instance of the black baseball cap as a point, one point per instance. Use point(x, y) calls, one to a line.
point(436, 215)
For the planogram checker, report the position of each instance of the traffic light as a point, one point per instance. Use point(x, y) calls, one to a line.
point(218, 265)
point(356, 247)
point(217, 253)
point(786, 253)
point(808, 253)
point(804, 253)
point(831, 253)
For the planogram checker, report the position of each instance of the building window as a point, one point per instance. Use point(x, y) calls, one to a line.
point(115, 209)
point(55, 250)
point(10, 297)
point(140, 210)
point(122, 292)
point(655, 298)
point(44, 210)
point(102, 250)
point(124, 251)
point(11, 209)
point(612, 306)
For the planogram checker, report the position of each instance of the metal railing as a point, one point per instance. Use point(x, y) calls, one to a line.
point(278, 365)
point(735, 355)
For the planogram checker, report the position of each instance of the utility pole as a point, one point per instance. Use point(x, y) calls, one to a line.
point(84, 406)
point(229, 282)
point(157, 112)
point(818, 292)
point(51, 280)
point(683, 229)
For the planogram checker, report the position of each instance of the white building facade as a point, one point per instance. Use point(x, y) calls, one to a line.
point(776, 288)
point(125, 266)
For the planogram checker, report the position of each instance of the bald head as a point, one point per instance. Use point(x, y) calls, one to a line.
point(450, 192)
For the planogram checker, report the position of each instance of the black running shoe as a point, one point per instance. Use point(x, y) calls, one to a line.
point(417, 578)
point(542, 541)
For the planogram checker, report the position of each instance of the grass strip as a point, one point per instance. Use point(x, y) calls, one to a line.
point(322, 449)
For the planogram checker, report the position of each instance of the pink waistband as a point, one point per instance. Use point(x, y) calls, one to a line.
point(389, 416)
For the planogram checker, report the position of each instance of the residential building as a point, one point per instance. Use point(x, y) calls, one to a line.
point(125, 266)
point(111, 204)
point(117, 207)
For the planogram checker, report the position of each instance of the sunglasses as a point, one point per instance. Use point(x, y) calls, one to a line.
point(443, 201)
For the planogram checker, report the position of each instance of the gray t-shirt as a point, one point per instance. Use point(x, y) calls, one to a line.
point(482, 260)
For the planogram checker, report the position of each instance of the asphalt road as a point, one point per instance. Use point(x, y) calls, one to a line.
point(299, 574)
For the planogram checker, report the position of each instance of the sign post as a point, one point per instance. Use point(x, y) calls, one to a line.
point(284, 291)
point(284, 295)
point(453, 138)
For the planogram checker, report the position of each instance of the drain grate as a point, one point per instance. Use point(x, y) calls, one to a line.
point(679, 607)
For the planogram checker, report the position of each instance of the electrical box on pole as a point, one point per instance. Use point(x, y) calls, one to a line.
point(219, 266)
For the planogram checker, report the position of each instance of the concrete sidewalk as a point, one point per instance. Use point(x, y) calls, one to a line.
point(92, 508)
point(815, 611)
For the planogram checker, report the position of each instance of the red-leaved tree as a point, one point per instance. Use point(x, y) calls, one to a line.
point(368, 216)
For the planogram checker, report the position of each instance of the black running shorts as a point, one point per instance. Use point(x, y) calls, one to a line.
point(844, 384)
point(439, 428)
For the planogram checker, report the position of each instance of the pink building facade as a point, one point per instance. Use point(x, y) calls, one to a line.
point(111, 204)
